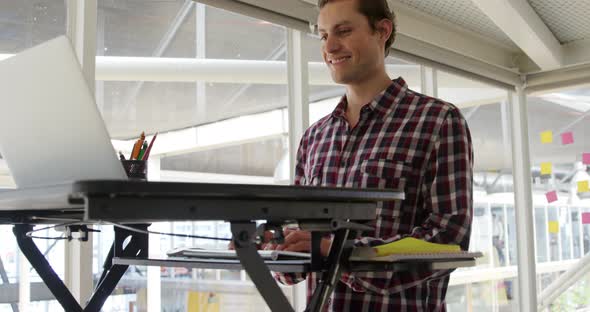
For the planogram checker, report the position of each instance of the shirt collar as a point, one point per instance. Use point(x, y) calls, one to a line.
point(383, 103)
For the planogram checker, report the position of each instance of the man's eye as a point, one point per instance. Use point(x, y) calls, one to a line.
point(323, 37)
point(343, 31)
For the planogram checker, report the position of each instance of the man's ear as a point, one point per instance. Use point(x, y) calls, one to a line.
point(384, 27)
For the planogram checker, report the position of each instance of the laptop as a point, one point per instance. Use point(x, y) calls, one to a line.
point(51, 131)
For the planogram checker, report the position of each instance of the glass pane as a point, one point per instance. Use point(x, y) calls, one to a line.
point(511, 235)
point(576, 232)
point(586, 235)
point(234, 131)
point(493, 228)
point(557, 132)
point(231, 36)
point(554, 241)
point(485, 296)
point(457, 297)
point(541, 239)
point(481, 233)
point(499, 235)
point(145, 28)
point(566, 233)
point(156, 107)
point(27, 23)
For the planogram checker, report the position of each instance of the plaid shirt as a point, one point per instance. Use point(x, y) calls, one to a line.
point(403, 140)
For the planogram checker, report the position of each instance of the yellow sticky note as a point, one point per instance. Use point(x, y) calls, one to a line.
point(199, 301)
point(546, 168)
point(547, 137)
point(553, 227)
point(583, 187)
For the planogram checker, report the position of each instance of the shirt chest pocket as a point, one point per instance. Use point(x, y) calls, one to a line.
point(388, 175)
point(383, 174)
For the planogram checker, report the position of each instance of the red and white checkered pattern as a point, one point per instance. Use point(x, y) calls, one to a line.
point(406, 141)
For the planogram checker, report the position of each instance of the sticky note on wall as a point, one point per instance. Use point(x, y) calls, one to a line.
point(586, 158)
point(547, 137)
point(586, 218)
point(551, 196)
point(199, 301)
point(583, 187)
point(553, 227)
point(567, 138)
point(546, 168)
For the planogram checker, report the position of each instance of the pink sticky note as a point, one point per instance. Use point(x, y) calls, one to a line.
point(586, 158)
point(567, 138)
point(586, 218)
point(551, 196)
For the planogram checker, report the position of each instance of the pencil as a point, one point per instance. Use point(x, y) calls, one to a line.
point(149, 149)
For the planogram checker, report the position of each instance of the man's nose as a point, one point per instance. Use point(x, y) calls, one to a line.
point(332, 44)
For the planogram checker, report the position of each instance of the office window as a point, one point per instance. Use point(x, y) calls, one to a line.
point(26, 23)
point(493, 230)
point(541, 236)
point(151, 29)
point(228, 126)
point(558, 124)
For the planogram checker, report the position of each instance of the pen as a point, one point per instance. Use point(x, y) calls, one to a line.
point(121, 156)
point(142, 151)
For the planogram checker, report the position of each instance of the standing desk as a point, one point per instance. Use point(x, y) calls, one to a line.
point(136, 204)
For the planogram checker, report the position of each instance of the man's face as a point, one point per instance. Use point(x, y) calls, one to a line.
point(350, 48)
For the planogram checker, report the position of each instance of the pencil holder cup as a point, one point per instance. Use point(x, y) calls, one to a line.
point(135, 169)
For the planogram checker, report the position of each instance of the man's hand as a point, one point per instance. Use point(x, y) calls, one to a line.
point(267, 237)
point(300, 241)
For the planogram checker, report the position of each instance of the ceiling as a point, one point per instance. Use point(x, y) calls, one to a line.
point(524, 36)
point(567, 19)
point(462, 13)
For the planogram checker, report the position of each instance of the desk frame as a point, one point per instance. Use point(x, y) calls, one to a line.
point(326, 209)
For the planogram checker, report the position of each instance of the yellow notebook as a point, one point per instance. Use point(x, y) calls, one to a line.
point(408, 245)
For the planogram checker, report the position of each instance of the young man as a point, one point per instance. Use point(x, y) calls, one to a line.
point(383, 135)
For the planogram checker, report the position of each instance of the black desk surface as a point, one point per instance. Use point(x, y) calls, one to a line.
point(121, 201)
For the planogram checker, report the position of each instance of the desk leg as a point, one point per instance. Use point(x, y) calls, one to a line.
point(108, 263)
point(41, 265)
point(137, 247)
point(317, 261)
point(329, 278)
point(243, 237)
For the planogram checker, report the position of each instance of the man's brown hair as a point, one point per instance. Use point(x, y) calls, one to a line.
point(375, 11)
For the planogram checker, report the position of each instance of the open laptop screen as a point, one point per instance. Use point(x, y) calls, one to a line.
point(51, 131)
